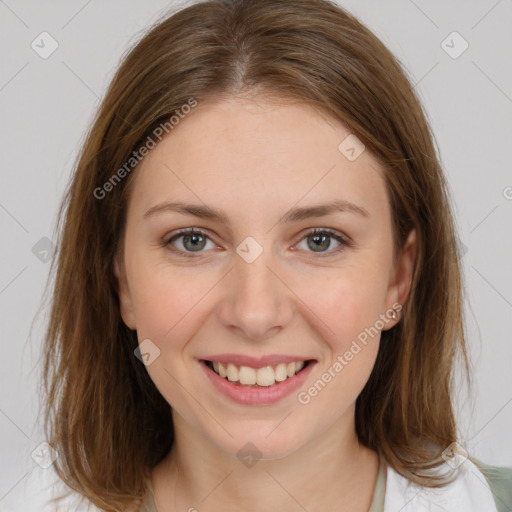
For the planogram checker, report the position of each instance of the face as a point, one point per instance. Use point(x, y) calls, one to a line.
point(275, 280)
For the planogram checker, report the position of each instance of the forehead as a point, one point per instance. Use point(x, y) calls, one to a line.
point(251, 153)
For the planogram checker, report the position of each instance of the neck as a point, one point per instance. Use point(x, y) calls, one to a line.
point(333, 472)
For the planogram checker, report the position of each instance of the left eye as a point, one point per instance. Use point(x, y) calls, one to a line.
point(321, 239)
point(194, 240)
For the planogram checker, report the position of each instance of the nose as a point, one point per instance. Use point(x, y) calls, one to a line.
point(257, 301)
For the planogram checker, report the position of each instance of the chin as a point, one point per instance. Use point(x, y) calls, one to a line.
point(261, 441)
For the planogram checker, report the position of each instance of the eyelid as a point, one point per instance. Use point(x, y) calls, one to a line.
point(331, 231)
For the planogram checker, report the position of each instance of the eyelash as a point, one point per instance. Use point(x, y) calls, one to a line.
point(344, 243)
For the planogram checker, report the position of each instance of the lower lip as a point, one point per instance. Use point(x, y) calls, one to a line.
point(257, 396)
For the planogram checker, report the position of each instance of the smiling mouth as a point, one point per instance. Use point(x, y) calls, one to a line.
point(257, 377)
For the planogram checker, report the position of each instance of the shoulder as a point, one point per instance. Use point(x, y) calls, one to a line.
point(468, 492)
point(34, 493)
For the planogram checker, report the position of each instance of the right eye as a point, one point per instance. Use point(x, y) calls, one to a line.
point(193, 241)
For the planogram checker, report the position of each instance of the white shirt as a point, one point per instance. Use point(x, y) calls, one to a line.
point(469, 492)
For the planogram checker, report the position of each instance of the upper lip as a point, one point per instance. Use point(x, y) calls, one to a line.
point(255, 362)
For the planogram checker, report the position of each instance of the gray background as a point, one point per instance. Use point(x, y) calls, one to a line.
point(47, 104)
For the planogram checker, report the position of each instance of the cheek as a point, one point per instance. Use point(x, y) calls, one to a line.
point(349, 320)
point(168, 304)
point(348, 309)
point(347, 303)
point(166, 298)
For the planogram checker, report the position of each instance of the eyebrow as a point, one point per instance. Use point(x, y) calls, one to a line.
point(292, 215)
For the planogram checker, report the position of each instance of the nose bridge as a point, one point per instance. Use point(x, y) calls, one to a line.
point(257, 301)
point(254, 280)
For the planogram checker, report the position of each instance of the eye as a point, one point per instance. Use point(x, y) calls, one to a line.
point(193, 240)
point(320, 240)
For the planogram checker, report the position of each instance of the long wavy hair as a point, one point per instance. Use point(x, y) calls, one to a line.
point(103, 413)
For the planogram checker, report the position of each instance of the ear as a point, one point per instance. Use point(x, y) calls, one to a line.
point(123, 291)
point(401, 281)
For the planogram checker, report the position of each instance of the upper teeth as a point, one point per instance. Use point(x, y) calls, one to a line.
point(266, 376)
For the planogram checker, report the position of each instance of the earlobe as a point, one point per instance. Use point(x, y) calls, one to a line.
point(125, 299)
point(399, 288)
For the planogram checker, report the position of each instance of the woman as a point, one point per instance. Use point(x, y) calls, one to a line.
point(258, 297)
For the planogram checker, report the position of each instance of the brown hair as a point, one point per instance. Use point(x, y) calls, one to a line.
point(104, 415)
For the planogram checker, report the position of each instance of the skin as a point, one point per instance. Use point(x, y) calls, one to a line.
point(255, 159)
